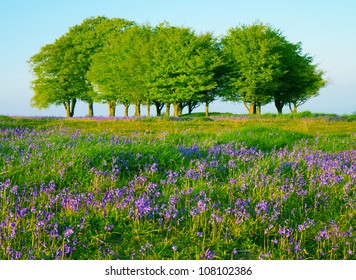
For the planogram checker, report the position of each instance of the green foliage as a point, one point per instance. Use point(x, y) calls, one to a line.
point(115, 61)
point(302, 79)
point(52, 85)
point(184, 64)
point(251, 53)
point(263, 66)
point(120, 72)
point(164, 64)
point(60, 68)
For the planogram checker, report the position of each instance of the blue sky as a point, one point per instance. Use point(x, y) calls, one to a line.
point(325, 28)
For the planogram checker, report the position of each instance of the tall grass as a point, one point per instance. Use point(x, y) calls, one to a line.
point(225, 188)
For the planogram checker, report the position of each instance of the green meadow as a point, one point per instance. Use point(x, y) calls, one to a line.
point(223, 187)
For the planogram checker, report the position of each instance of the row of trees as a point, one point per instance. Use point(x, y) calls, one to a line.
point(115, 61)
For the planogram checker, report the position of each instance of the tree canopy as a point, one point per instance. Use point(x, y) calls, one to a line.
point(184, 66)
point(164, 64)
point(263, 66)
point(120, 72)
point(116, 61)
point(60, 68)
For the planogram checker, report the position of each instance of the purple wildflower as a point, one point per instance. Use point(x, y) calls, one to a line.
point(14, 190)
point(297, 248)
point(59, 253)
point(67, 249)
point(265, 255)
point(209, 254)
point(201, 205)
point(68, 232)
point(8, 250)
point(17, 255)
point(110, 227)
point(262, 206)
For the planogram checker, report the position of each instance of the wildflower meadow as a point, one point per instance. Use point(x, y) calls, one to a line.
point(191, 188)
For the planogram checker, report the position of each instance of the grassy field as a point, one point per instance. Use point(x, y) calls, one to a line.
point(224, 187)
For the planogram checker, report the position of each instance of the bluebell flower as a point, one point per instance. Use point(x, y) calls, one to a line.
point(209, 254)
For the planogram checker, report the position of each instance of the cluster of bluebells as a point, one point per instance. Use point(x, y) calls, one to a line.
point(218, 201)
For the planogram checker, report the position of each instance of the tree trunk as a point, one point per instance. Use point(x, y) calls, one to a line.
point(67, 107)
point(90, 109)
point(294, 110)
point(180, 109)
point(168, 108)
point(148, 105)
point(206, 109)
point(258, 109)
point(190, 108)
point(252, 108)
point(192, 105)
point(126, 110)
point(159, 107)
point(177, 109)
point(112, 107)
point(74, 101)
point(279, 105)
point(295, 107)
point(247, 107)
point(137, 108)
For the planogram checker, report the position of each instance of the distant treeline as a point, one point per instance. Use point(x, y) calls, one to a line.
point(116, 61)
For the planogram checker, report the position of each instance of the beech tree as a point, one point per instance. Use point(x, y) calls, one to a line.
point(121, 71)
point(254, 68)
point(52, 84)
point(263, 67)
point(184, 66)
point(89, 38)
point(308, 83)
point(157, 65)
point(115, 61)
point(301, 80)
point(60, 68)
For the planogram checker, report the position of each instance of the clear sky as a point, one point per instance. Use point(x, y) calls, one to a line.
point(326, 28)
